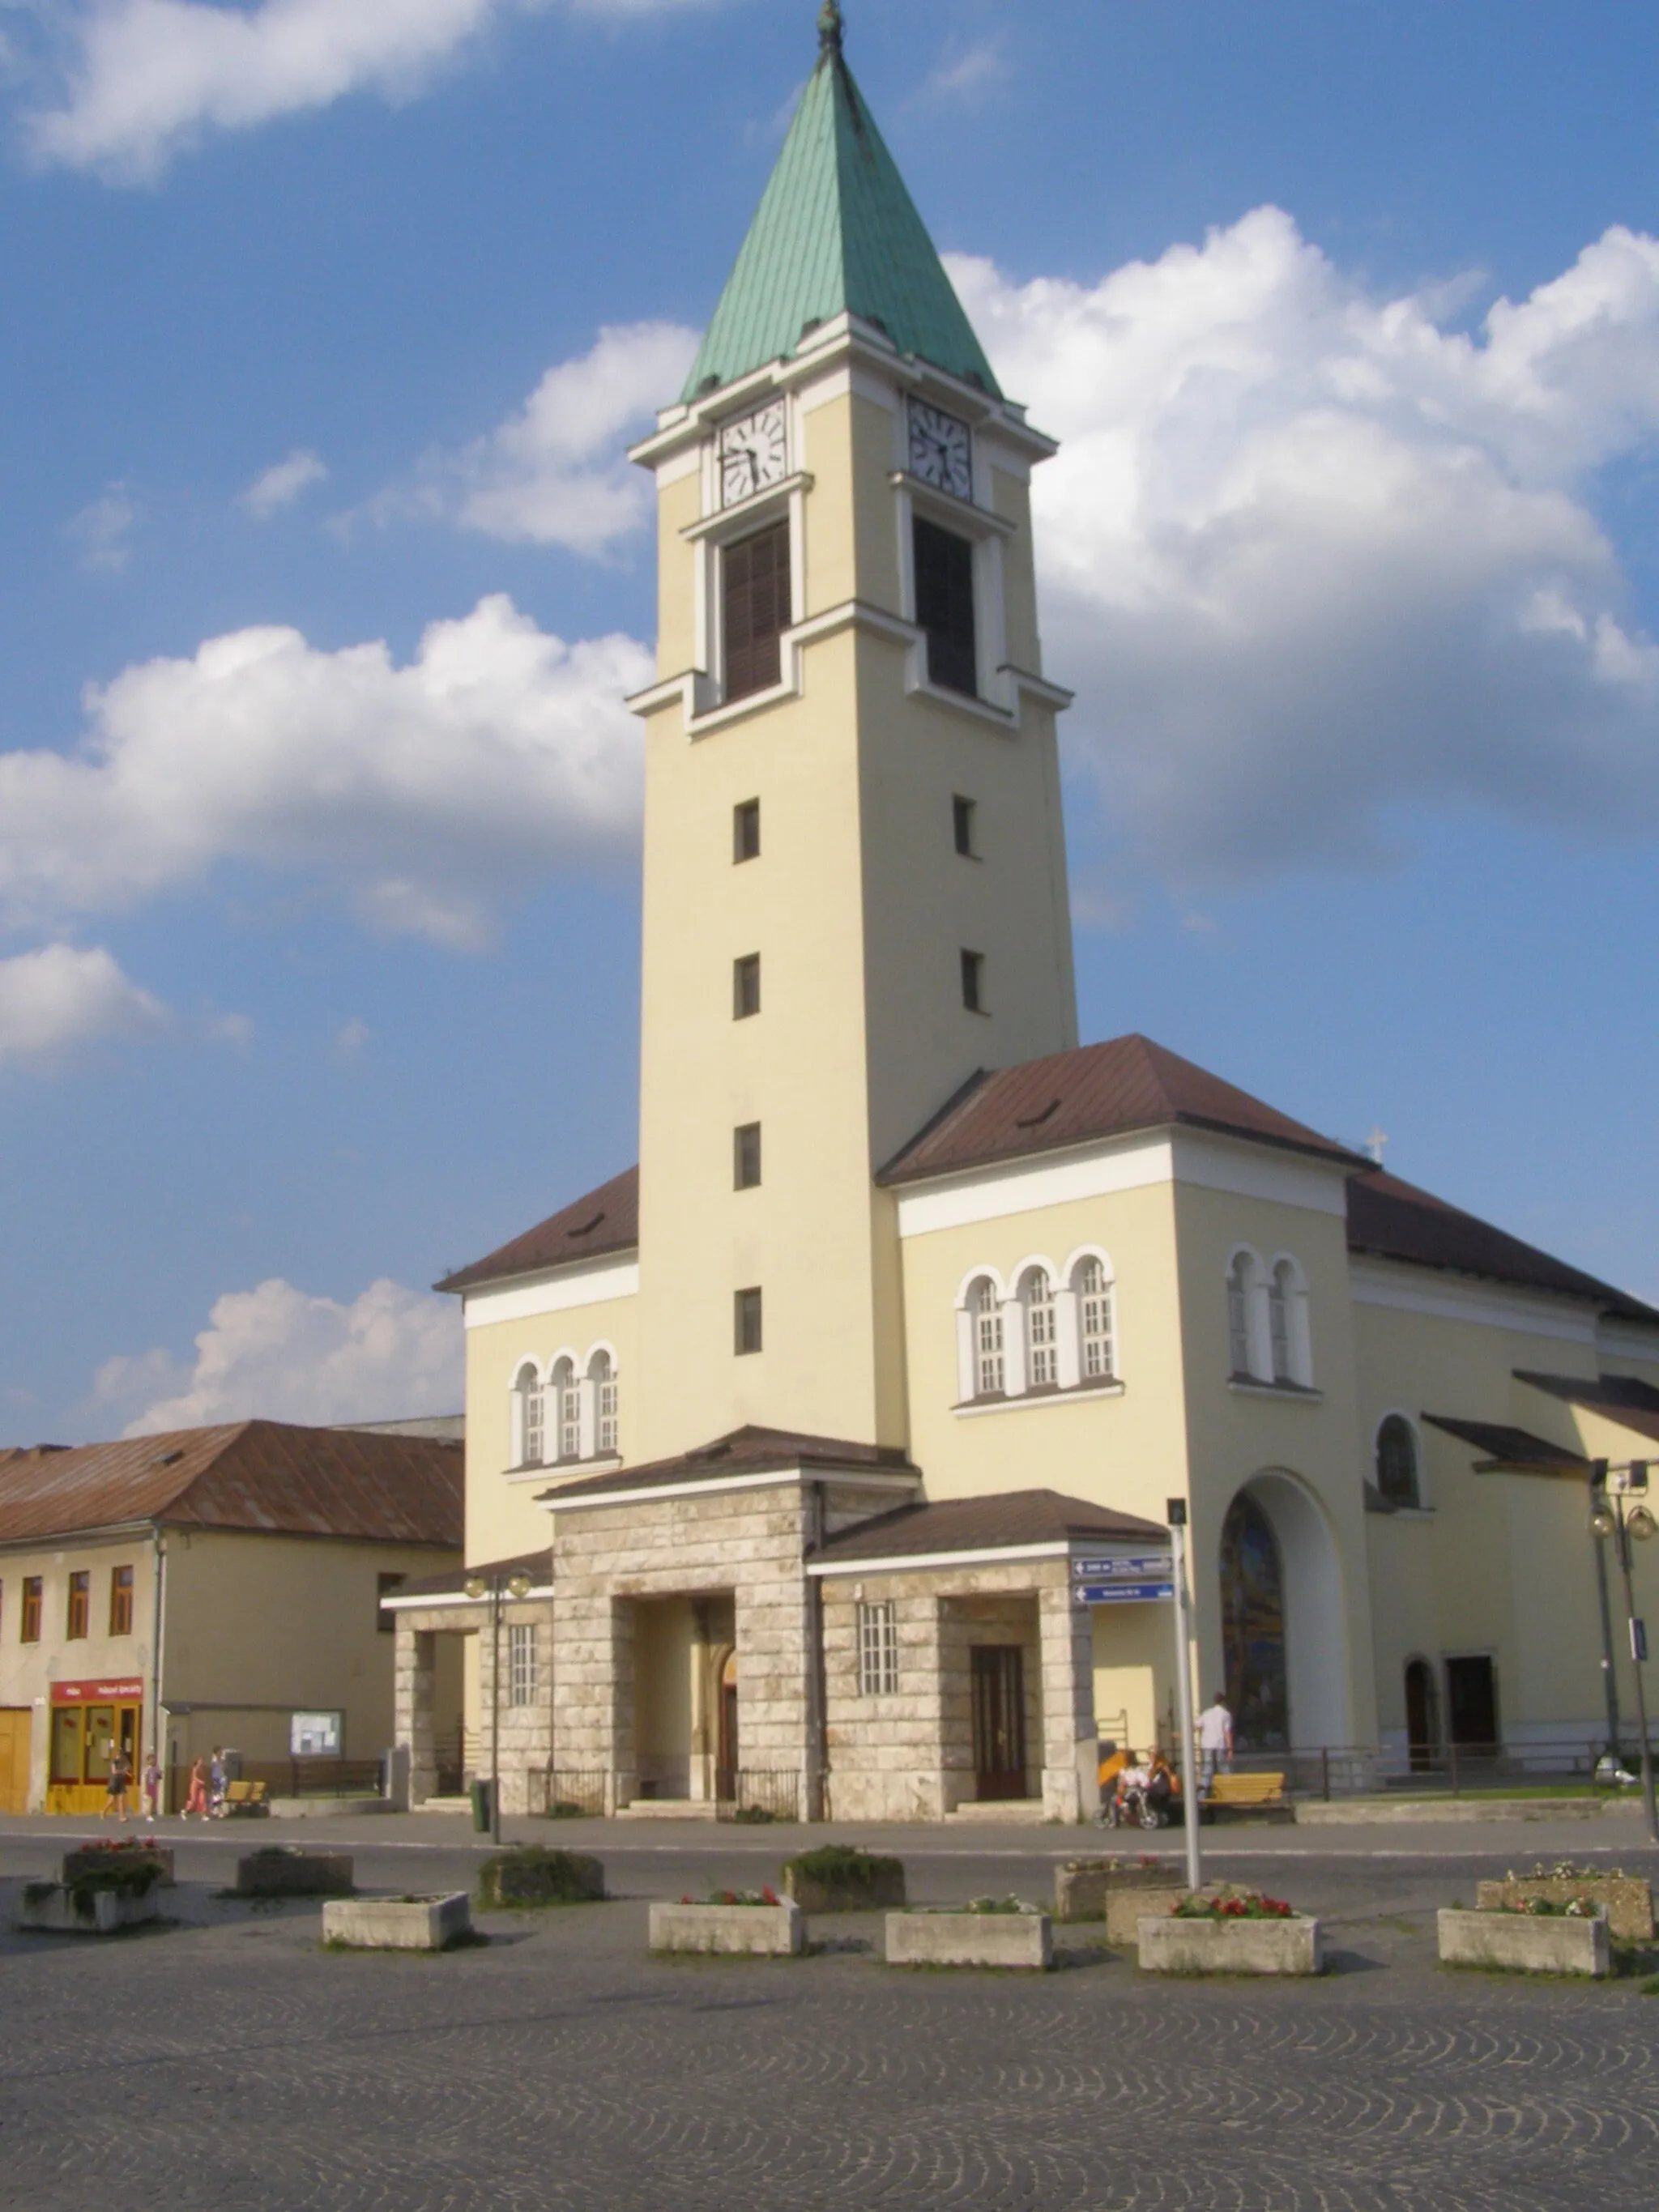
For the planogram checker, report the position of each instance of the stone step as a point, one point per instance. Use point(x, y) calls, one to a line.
point(669, 1808)
point(1025, 1809)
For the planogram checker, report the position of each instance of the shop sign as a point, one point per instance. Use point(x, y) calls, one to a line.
point(98, 1694)
point(315, 1735)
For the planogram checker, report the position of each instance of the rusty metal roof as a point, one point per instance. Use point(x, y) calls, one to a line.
point(1095, 1091)
point(607, 1220)
point(265, 1476)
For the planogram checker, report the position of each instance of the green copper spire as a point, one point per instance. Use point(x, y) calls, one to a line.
point(836, 230)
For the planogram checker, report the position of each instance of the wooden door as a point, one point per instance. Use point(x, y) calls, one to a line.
point(15, 1743)
point(999, 1682)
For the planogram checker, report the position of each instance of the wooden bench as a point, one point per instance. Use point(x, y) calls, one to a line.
point(1235, 1796)
point(244, 1797)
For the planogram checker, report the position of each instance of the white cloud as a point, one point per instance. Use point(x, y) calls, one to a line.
point(554, 473)
point(279, 1354)
point(147, 79)
point(422, 793)
point(101, 530)
point(281, 484)
point(964, 72)
point(61, 997)
point(1312, 558)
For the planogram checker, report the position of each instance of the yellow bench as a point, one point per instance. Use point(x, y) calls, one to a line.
point(244, 1797)
point(1242, 1791)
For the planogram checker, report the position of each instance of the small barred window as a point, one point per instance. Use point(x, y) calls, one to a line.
point(878, 1648)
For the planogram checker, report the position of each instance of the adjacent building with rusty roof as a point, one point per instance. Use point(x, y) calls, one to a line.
point(219, 1585)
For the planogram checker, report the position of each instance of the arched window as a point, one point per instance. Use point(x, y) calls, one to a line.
point(1396, 1461)
point(1097, 1353)
point(1241, 1286)
point(603, 1375)
point(986, 1307)
point(1253, 1627)
point(1281, 1289)
point(566, 1409)
point(528, 1390)
point(1042, 1353)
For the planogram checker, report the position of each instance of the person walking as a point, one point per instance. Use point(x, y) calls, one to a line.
point(216, 1784)
point(150, 1782)
point(1215, 1741)
point(197, 1801)
point(116, 1783)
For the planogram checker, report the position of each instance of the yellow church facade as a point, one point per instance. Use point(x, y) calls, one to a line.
point(809, 1461)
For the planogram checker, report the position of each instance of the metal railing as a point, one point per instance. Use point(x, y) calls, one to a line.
point(772, 1794)
point(563, 1793)
point(1328, 1771)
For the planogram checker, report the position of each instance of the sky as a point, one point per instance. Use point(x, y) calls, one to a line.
point(324, 577)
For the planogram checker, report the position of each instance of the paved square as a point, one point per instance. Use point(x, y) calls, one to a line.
point(229, 2062)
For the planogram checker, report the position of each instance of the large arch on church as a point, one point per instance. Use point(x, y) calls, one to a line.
point(1283, 1635)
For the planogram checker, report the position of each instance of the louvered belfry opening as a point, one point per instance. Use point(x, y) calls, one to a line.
point(944, 607)
point(757, 593)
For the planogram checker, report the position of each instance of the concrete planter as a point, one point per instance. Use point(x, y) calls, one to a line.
point(883, 1891)
point(388, 1923)
point(1628, 1898)
point(1126, 1909)
point(1085, 1888)
point(325, 1808)
point(1520, 1945)
point(1295, 1946)
point(59, 1910)
point(765, 1931)
point(539, 1877)
point(80, 1864)
point(971, 1939)
point(293, 1872)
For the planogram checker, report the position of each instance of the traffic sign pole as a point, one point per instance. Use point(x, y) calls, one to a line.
point(1184, 1692)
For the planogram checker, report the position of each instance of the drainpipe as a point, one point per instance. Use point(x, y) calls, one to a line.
point(158, 1626)
point(817, 1748)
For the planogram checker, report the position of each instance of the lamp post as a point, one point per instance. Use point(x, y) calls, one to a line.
point(1184, 1692)
point(1619, 1508)
point(496, 1586)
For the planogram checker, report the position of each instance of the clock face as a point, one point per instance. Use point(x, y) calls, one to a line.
point(753, 453)
point(941, 450)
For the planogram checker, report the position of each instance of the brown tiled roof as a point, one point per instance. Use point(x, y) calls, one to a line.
point(1096, 1090)
point(745, 1451)
point(1511, 1451)
point(606, 1220)
point(1004, 1519)
point(452, 1583)
point(266, 1476)
point(1623, 1398)
point(1395, 1220)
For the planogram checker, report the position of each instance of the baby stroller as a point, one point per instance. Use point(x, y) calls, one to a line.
point(1137, 1796)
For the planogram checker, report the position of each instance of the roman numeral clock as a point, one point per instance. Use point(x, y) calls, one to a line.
point(754, 453)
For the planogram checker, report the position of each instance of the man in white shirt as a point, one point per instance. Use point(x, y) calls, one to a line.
point(1215, 1740)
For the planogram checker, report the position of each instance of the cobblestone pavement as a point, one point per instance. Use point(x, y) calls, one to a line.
point(229, 2062)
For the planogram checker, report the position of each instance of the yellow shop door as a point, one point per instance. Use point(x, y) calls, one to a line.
point(15, 1743)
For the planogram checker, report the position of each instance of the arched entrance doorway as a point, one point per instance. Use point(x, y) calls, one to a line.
point(1282, 1619)
point(726, 1760)
point(1252, 1628)
point(1422, 1714)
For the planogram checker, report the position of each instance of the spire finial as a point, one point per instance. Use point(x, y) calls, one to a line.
point(830, 28)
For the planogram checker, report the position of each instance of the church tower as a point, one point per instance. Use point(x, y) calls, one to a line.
point(854, 885)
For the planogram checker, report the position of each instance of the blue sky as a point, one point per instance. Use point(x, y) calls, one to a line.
point(318, 878)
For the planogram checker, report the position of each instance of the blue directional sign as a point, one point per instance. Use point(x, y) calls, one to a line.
point(1121, 1592)
point(1125, 1566)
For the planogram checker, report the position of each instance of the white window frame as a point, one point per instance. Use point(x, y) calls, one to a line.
point(601, 1415)
point(1246, 1279)
point(523, 1664)
point(1040, 1329)
point(1420, 1503)
point(1287, 1288)
point(1076, 1267)
point(529, 1415)
point(877, 1648)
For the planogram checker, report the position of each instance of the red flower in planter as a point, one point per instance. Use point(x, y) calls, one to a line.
point(769, 1895)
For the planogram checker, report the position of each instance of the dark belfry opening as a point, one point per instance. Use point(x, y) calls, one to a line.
point(944, 607)
point(756, 572)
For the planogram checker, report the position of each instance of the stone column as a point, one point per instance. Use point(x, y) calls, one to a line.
point(773, 1640)
point(1069, 1788)
point(414, 1701)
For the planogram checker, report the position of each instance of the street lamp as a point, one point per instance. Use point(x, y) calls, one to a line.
point(1177, 1512)
point(1620, 1509)
point(495, 1587)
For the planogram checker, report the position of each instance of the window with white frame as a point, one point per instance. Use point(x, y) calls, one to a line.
point(987, 1309)
point(521, 1662)
point(1280, 1290)
point(565, 1410)
point(603, 1375)
point(528, 1390)
point(1241, 1285)
point(1042, 1346)
point(1396, 1462)
point(1097, 1353)
point(878, 1648)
